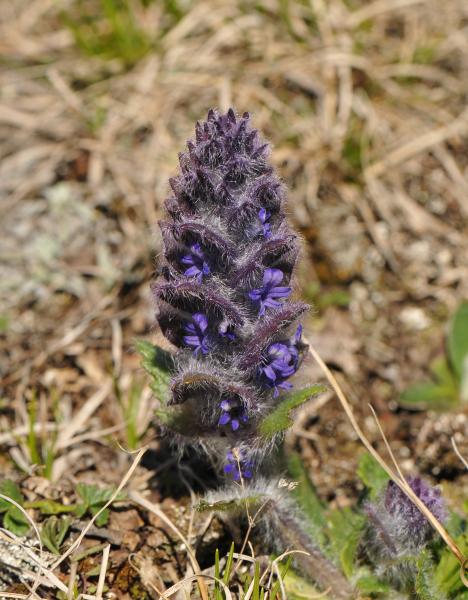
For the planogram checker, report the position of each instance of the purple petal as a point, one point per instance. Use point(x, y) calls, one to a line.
point(192, 271)
point(269, 372)
point(255, 294)
point(235, 424)
point(297, 336)
point(201, 320)
point(224, 419)
point(272, 277)
point(280, 292)
point(270, 303)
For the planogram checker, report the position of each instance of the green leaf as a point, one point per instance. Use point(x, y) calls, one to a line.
point(158, 364)
point(458, 341)
point(429, 395)
point(50, 507)
point(345, 528)
point(228, 567)
point(308, 499)
point(11, 490)
point(94, 498)
point(447, 572)
point(298, 588)
point(371, 474)
point(16, 522)
point(217, 587)
point(53, 532)
point(370, 584)
point(280, 419)
point(283, 571)
point(256, 585)
point(235, 504)
point(443, 373)
point(103, 517)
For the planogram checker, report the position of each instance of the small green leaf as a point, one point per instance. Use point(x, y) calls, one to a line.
point(280, 419)
point(217, 587)
point(443, 373)
point(16, 522)
point(228, 567)
point(256, 584)
point(371, 474)
point(346, 527)
point(94, 498)
point(458, 341)
point(298, 588)
point(429, 395)
point(447, 572)
point(102, 518)
point(284, 569)
point(53, 532)
point(50, 507)
point(369, 584)
point(308, 499)
point(11, 490)
point(158, 364)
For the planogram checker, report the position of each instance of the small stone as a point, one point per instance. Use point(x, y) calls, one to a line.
point(414, 318)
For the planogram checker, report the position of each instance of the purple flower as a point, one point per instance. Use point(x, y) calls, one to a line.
point(282, 361)
point(232, 412)
point(398, 504)
point(268, 294)
point(225, 233)
point(237, 465)
point(264, 217)
point(196, 260)
point(397, 528)
point(197, 336)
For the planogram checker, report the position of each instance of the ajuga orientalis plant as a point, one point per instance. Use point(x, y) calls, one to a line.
point(398, 531)
point(224, 300)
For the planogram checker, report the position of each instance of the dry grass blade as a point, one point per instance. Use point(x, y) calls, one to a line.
point(378, 7)
point(401, 483)
point(147, 505)
point(458, 453)
point(102, 572)
point(79, 420)
point(457, 127)
point(180, 584)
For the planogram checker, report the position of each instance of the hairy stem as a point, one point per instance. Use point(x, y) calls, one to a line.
point(316, 565)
